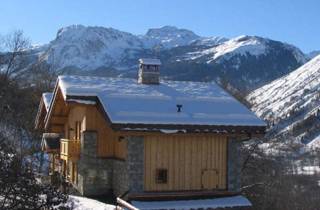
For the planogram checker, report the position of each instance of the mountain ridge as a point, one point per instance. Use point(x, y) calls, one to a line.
point(242, 63)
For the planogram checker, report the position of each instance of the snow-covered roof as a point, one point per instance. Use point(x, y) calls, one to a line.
point(47, 100)
point(226, 202)
point(150, 61)
point(127, 102)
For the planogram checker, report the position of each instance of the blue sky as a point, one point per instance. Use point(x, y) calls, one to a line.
point(293, 21)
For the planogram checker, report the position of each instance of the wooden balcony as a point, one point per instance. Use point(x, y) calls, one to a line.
point(69, 149)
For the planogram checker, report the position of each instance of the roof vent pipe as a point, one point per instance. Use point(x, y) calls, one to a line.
point(179, 106)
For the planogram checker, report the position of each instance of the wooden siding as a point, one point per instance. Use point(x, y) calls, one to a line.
point(193, 163)
point(91, 119)
point(72, 119)
point(109, 144)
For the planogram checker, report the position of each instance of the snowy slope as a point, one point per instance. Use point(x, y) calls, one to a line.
point(292, 102)
point(293, 91)
point(242, 45)
point(210, 41)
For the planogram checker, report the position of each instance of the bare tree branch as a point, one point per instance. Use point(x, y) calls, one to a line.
point(14, 45)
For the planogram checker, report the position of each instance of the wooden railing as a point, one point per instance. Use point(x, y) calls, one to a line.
point(69, 149)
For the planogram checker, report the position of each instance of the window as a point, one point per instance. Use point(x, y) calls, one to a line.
point(162, 176)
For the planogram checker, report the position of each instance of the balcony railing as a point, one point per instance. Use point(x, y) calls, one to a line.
point(69, 149)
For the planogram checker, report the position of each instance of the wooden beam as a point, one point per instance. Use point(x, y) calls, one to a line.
point(218, 129)
point(157, 133)
point(56, 128)
point(58, 120)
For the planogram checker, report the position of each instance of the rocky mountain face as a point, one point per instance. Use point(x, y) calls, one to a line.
point(168, 37)
point(292, 104)
point(240, 64)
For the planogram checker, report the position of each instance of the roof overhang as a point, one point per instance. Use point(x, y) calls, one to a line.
point(249, 130)
point(67, 100)
point(50, 142)
point(169, 129)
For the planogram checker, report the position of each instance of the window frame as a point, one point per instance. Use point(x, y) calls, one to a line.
point(161, 176)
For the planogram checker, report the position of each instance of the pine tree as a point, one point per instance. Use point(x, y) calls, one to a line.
point(19, 187)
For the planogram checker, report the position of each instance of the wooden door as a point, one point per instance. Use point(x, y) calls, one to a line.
point(209, 179)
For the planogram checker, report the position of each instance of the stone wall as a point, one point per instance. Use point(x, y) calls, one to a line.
point(120, 177)
point(234, 165)
point(135, 161)
point(128, 175)
point(98, 176)
point(94, 174)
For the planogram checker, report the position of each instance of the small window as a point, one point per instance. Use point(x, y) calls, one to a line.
point(162, 176)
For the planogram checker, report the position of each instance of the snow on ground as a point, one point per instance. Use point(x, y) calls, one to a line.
point(308, 170)
point(234, 201)
point(82, 203)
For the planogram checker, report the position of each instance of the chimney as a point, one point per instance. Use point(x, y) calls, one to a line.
point(149, 71)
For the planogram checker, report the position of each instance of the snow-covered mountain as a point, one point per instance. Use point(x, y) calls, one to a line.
point(313, 54)
point(241, 64)
point(292, 102)
point(238, 46)
point(89, 48)
point(247, 62)
point(168, 37)
point(242, 46)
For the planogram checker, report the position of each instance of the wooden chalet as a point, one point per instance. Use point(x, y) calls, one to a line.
point(146, 138)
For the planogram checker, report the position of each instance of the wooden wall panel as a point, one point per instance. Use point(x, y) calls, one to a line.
point(193, 162)
point(108, 141)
